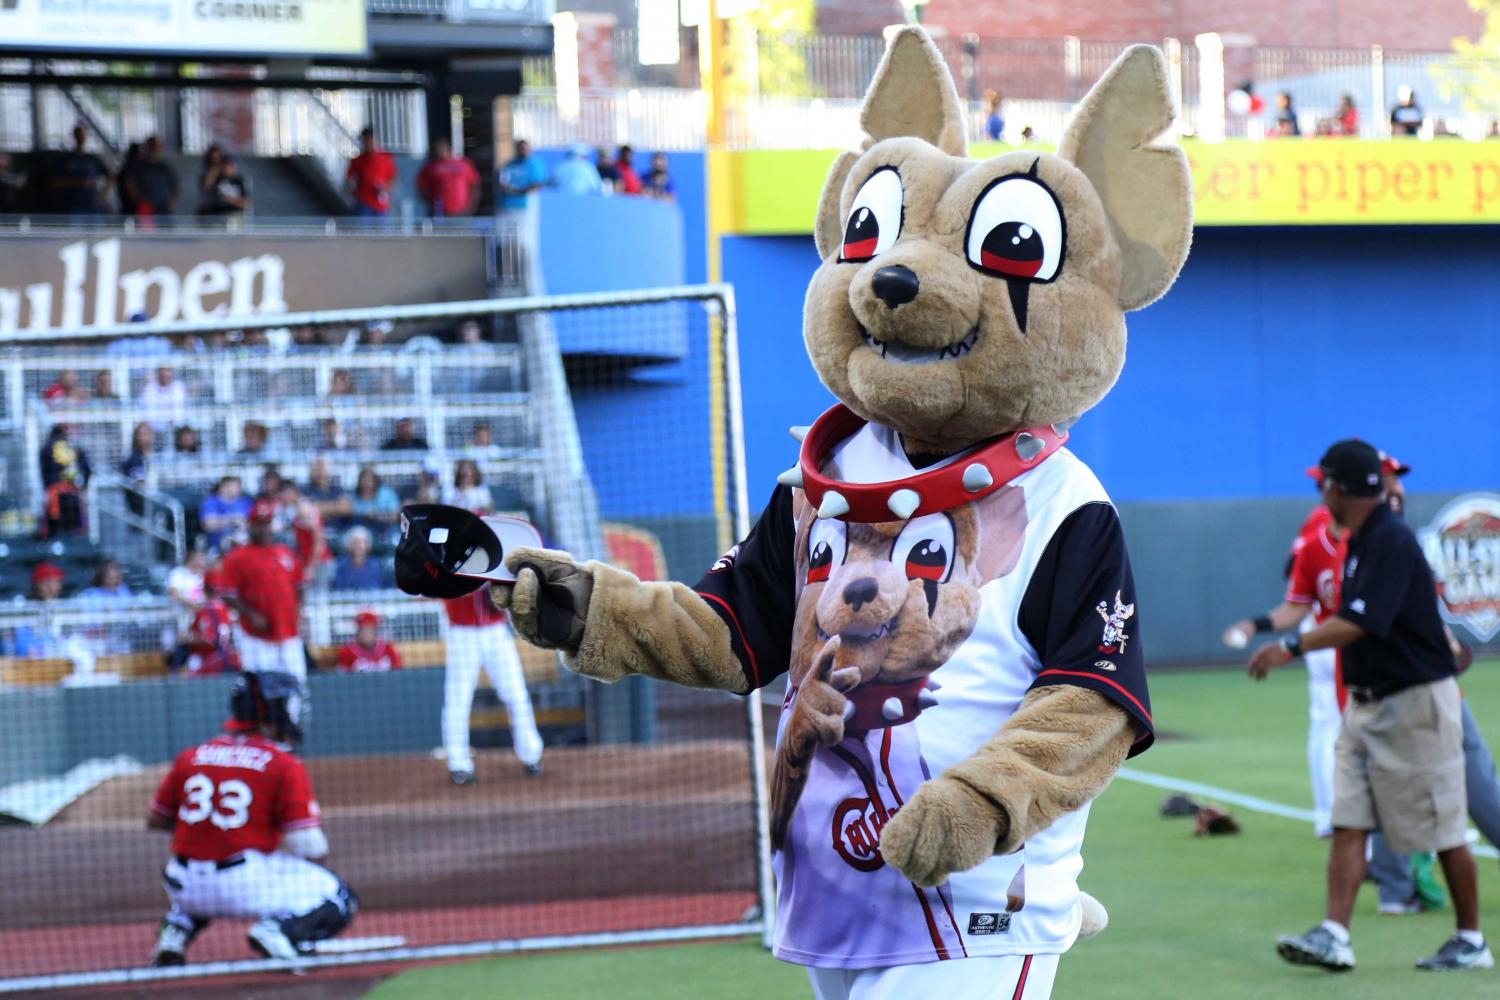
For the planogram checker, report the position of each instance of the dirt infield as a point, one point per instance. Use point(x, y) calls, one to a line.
point(609, 838)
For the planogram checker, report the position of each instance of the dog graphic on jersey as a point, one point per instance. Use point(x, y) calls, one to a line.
point(881, 609)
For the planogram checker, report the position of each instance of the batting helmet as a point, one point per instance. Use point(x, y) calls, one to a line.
point(270, 697)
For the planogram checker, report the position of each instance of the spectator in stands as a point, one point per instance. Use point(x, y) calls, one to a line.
point(482, 441)
point(331, 436)
point(1406, 116)
point(629, 181)
point(12, 186)
point(185, 441)
point(164, 400)
point(271, 482)
point(43, 640)
point(46, 582)
point(1028, 135)
point(370, 177)
point(155, 184)
point(367, 652)
point(65, 473)
point(325, 493)
point(404, 437)
point(994, 121)
point(576, 175)
point(341, 383)
point(657, 183)
point(374, 503)
point(377, 332)
point(253, 437)
point(1494, 132)
point(108, 586)
point(142, 444)
point(125, 184)
point(1440, 129)
point(1346, 120)
point(65, 389)
point(448, 183)
point(609, 173)
point(80, 179)
point(521, 176)
point(429, 485)
point(150, 346)
point(469, 491)
point(224, 511)
point(184, 583)
point(104, 387)
point(1286, 115)
point(223, 190)
point(355, 569)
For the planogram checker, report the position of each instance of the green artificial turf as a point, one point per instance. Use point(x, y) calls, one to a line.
point(1190, 917)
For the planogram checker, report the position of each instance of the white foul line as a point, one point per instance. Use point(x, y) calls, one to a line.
point(1250, 801)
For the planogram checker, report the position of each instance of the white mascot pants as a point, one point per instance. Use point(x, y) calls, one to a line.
point(1009, 977)
point(262, 885)
point(489, 647)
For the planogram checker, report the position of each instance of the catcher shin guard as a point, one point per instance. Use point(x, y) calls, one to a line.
point(322, 923)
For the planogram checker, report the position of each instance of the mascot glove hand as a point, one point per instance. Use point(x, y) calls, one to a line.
point(549, 602)
point(946, 827)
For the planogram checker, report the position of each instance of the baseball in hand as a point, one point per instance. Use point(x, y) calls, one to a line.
point(1236, 638)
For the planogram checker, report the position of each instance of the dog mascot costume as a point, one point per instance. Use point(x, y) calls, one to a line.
point(945, 585)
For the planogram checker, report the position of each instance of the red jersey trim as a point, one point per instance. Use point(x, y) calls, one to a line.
point(1103, 680)
point(301, 824)
point(754, 668)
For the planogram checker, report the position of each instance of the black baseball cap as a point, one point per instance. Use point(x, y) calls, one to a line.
point(436, 540)
point(1355, 465)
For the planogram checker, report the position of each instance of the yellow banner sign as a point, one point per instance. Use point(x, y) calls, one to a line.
point(1278, 182)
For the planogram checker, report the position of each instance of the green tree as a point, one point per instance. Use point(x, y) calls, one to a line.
point(1472, 76)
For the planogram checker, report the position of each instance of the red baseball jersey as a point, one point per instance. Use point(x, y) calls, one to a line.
point(232, 794)
point(265, 577)
point(211, 627)
point(474, 610)
point(1317, 568)
point(356, 659)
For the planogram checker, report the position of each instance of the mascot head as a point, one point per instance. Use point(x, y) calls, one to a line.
point(959, 300)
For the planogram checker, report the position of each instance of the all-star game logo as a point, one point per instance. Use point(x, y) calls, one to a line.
point(1462, 545)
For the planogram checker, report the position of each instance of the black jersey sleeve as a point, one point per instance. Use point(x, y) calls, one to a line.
point(1079, 614)
point(753, 587)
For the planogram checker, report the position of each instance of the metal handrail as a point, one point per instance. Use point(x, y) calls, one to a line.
point(106, 479)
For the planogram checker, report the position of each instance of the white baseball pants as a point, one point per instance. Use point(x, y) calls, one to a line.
point(1323, 721)
point(491, 648)
point(263, 885)
point(285, 656)
point(1008, 977)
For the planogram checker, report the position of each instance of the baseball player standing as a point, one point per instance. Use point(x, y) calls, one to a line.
point(479, 636)
point(263, 583)
point(245, 829)
point(1312, 597)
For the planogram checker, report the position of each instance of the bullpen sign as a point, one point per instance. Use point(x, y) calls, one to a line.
point(1463, 547)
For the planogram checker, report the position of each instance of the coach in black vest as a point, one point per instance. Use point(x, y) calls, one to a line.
point(1399, 758)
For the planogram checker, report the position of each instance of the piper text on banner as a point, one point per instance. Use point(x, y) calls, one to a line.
point(1286, 182)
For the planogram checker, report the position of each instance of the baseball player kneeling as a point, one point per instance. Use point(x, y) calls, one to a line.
point(245, 828)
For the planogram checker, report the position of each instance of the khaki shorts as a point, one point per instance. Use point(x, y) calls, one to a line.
point(1399, 768)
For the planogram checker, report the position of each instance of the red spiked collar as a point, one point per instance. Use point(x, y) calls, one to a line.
point(976, 474)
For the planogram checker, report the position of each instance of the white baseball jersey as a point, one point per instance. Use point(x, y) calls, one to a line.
point(951, 618)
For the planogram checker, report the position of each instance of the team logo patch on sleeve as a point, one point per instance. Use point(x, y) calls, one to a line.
point(1115, 637)
point(725, 561)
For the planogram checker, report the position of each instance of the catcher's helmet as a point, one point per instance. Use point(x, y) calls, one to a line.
point(272, 697)
point(436, 541)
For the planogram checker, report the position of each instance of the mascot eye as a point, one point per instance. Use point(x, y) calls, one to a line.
point(1016, 230)
point(825, 549)
point(874, 218)
point(924, 549)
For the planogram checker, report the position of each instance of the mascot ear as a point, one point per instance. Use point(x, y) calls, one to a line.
point(1146, 189)
point(828, 231)
point(913, 95)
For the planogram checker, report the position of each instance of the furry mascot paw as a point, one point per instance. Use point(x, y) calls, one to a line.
point(946, 827)
point(549, 602)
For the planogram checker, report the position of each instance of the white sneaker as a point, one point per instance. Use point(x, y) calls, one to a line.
point(171, 946)
point(267, 938)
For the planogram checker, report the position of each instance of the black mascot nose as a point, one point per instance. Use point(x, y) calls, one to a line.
point(861, 592)
point(895, 286)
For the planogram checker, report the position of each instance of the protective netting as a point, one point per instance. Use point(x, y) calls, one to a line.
point(135, 592)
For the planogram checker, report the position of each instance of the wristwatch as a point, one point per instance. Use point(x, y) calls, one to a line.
point(1293, 645)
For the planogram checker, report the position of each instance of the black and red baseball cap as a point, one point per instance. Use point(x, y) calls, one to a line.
point(1354, 465)
point(264, 509)
point(1393, 466)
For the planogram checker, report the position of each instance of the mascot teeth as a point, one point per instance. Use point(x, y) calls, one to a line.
point(906, 354)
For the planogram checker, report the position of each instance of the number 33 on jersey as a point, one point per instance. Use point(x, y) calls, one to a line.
point(234, 793)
